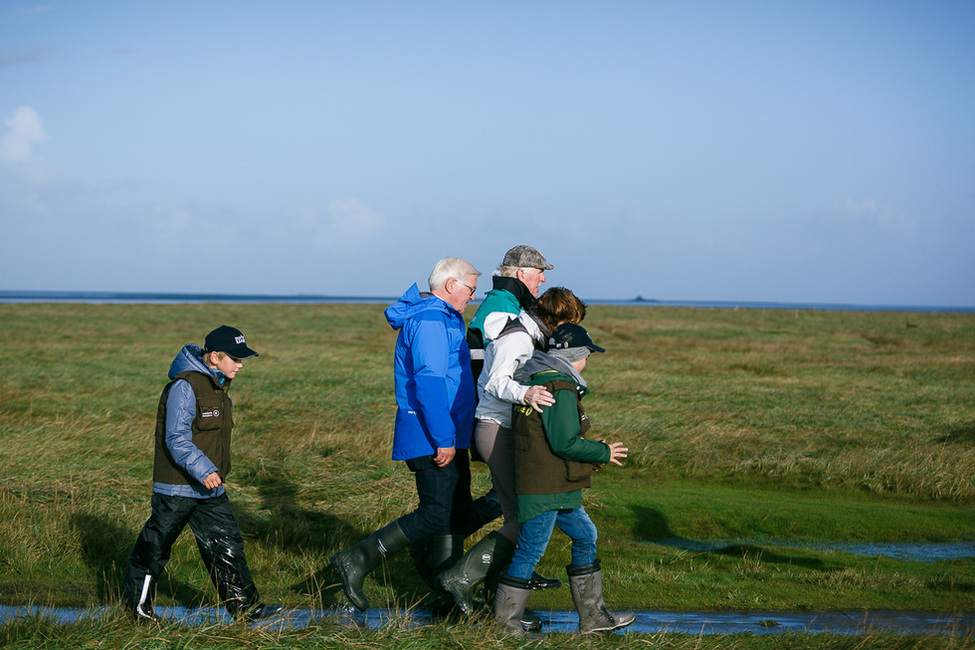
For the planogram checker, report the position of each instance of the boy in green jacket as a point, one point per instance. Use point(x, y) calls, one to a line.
point(553, 463)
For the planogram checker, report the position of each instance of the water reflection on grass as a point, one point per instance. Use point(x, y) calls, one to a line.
point(910, 551)
point(649, 622)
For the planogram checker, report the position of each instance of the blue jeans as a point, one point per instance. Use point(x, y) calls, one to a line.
point(536, 533)
point(435, 487)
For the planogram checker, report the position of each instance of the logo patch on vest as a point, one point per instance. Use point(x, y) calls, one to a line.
point(215, 413)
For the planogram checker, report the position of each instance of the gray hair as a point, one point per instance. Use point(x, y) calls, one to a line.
point(450, 267)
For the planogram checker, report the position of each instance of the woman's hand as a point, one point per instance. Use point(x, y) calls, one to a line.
point(537, 397)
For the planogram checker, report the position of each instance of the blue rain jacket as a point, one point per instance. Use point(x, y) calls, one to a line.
point(435, 393)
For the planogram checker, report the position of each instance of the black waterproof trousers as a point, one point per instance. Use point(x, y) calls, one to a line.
point(218, 537)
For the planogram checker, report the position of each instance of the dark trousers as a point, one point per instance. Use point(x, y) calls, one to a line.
point(218, 538)
point(446, 506)
point(435, 487)
point(468, 515)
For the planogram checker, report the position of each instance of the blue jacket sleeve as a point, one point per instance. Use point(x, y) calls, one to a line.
point(431, 361)
point(180, 411)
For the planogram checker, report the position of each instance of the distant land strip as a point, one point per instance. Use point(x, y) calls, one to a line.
point(13, 296)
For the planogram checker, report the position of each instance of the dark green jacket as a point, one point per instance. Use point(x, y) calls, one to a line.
point(553, 458)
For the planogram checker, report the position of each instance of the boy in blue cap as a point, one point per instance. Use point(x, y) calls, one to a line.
point(194, 422)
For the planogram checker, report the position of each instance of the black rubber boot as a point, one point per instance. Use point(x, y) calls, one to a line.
point(509, 603)
point(445, 551)
point(538, 581)
point(422, 552)
point(353, 564)
point(586, 584)
point(485, 560)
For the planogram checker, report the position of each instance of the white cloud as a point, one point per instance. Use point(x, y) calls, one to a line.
point(25, 129)
point(352, 218)
point(343, 220)
point(882, 216)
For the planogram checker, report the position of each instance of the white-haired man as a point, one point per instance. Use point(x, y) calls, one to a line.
point(435, 399)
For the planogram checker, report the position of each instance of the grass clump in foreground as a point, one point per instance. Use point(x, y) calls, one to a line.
point(743, 424)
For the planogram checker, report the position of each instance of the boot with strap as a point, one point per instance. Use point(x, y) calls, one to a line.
point(353, 564)
point(509, 603)
point(586, 584)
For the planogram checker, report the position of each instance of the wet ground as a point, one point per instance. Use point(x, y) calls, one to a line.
point(646, 622)
point(910, 551)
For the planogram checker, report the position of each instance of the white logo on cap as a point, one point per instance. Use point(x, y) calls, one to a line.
point(239, 340)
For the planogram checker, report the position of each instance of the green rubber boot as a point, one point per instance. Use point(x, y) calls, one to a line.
point(353, 564)
point(484, 561)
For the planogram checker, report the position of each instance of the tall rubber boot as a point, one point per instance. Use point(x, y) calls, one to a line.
point(353, 564)
point(484, 561)
point(586, 584)
point(446, 550)
point(421, 552)
point(509, 603)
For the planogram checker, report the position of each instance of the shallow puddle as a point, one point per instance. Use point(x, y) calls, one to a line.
point(646, 622)
point(911, 551)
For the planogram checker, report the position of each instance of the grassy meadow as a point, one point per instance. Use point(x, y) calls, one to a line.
point(804, 426)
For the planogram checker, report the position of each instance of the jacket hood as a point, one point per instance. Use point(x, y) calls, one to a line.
point(542, 361)
point(191, 358)
point(414, 302)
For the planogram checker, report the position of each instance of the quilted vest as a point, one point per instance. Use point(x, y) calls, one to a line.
point(537, 469)
point(211, 429)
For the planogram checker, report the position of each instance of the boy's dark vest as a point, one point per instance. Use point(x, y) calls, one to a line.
point(537, 469)
point(211, 429)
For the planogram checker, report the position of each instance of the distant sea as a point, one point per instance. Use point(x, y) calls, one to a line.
point(181, 298)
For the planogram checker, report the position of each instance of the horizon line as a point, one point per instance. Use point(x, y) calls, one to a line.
point(15, 295)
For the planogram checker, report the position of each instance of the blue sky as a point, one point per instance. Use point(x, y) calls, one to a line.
point(742, 151)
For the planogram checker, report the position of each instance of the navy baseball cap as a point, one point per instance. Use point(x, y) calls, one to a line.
point(228, 340)
point(571, 335)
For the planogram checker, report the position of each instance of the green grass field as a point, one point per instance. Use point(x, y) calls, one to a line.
point(809, 426)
